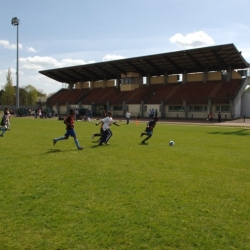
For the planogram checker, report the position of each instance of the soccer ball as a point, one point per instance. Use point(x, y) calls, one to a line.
point(171, 143)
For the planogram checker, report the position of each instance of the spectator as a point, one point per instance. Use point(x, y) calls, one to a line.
point(128, 115)
point(210, 117)
point(219, 117)
point(156, 113)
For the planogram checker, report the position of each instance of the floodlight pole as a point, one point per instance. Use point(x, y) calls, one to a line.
point(15, 22)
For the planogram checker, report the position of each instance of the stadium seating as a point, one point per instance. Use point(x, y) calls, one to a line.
point(172, 93)
point(65, 95)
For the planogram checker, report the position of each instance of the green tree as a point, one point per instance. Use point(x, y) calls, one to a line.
point(31, 95)
point(22, 96)
point(8, 95)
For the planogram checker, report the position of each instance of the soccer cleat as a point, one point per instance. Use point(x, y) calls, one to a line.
point(106, 143)
point(80, 148)
point(143, 142)
point(141, 134)
point(54, 141)
point(2, 135)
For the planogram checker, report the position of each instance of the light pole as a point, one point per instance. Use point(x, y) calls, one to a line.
point(15, 22)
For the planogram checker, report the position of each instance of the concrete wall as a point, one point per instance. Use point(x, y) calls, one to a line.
point(245, 104)
point(129, 87)
point(213, 76)
point(197, 77)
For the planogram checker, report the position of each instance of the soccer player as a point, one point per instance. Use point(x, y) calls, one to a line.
point(70, 122)
point(8, 118)
point(101, 129)
point(4, 122)
point(107, 133)
point(149, 129)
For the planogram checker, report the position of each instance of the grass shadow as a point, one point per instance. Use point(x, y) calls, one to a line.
point(241, 132)
point(53, 151)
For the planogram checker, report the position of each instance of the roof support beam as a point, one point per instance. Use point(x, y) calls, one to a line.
point(117, 68)
point(152, 65)
point(175, 65)
point(135, 68)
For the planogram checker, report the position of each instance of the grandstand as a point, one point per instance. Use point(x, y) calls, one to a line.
point(183, 84)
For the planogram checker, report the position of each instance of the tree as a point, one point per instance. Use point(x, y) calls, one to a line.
point(8, 95)
point(31, 95)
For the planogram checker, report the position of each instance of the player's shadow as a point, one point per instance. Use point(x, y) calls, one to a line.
point(241, 132)
point(51, 151)
point(99, 146)
point(54, 151)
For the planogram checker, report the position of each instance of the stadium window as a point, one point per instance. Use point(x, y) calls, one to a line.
point(222, 108)
point(130, 80)
point(176, 108)
point(225, 108)
point(197, 108)
point(117, 108)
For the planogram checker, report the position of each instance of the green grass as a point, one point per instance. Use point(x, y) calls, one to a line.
point(194, 195)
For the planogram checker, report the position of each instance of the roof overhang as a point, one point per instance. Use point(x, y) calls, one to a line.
point(214, 58)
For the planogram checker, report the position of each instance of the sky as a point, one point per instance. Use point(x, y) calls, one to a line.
point(56, 33)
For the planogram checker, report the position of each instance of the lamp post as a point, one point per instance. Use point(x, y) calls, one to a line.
point(15, 22)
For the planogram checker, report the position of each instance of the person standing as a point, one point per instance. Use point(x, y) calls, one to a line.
point(156, 113)
point(128, 115)
point(69, 121)
point(219, 117)
point(152, 113)
point(149, 129)
point(149, 114)
point(107, 133)
point(210, 117)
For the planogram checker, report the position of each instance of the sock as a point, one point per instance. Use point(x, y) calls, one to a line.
point(77, 143)
point(3, 129)
point(60, 138)
point(146, 139)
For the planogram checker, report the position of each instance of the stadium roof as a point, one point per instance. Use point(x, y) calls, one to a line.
point(212, 58)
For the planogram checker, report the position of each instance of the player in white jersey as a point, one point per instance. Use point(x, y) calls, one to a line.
point(107, 133)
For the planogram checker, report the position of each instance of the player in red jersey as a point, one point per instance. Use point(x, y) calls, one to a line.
point(70, 122)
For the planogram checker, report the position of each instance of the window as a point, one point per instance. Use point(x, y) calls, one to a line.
point(197, 108)
point(176, 108)
point(131, 80)
point(222, 108)
point(116, 108)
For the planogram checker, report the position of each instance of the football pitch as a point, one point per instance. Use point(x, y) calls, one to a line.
point(193, 195)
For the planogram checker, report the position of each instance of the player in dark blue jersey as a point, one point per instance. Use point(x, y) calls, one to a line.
point(149, 129)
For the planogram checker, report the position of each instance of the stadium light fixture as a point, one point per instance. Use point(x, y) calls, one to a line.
point(15, 22)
